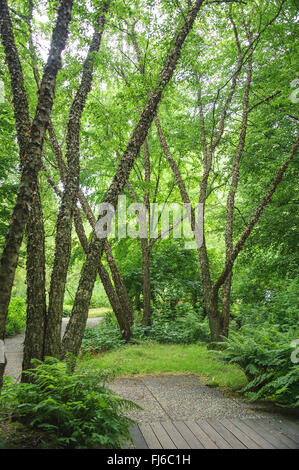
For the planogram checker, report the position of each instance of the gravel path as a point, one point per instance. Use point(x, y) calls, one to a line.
point(14, 348)
point(163, 397)
point(182, 398)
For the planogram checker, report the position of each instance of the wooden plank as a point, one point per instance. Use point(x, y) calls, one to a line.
point(214, 435)
point(292, 425)
point(270, 434)
point(227, 435)
point(164, 438)
point(175, 435)
point(188, 435)
point(252, 434)
point(138, 439)
point(282, 427)
point(203, 438)
point(242, 436)
point(149, 436)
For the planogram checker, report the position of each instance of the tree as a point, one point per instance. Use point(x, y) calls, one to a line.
point(31, 156)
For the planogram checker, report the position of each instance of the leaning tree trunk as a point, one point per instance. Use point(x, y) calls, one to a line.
point(63, 240)
point(120, 287)
point(120, 304)
point(74, 337)
point(120, 314)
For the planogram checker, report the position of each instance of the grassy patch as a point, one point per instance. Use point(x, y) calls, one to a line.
point(98, 312)
point(154, 358)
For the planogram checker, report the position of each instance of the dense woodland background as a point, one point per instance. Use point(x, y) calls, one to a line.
point(162, 101)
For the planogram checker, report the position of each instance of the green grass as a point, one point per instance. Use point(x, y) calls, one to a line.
point(154, 358)
point(98, 312)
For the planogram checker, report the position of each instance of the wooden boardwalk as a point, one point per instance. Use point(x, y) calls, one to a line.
point(217, 434)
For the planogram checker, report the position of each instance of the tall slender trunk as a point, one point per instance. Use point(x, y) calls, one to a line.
point(214, 318)
point(32, 156)
point(63, 241)
point(36, 297)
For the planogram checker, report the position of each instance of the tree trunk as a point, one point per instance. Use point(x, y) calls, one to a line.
point(120, 287)
point(225, 312)
point(32, 156)
point(146, 284)
point(114, 299)
point(63, 241)
point(214, 319)
point(96, 246)
point(36, 295)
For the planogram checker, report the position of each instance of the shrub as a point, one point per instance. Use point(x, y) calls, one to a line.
point(16, 318)
point(187, 328)
point(67, 310)
point(265, 356)
point(76, 410)
point(278, 306)
point(106, 336)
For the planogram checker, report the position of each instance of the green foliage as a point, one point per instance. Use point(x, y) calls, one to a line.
point(76, 410)
point(67, 310)
point(174, 273)
point(104, 337)
point(265, 356)
point(277, 305)
point(183, 326)
point(16, 318)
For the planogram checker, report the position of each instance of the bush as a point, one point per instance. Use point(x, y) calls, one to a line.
point(187, 328)
point(265, 356)
point(103, 338)
point(16, 318)
point(67, 310)
point(278, 306)
point(76, 410)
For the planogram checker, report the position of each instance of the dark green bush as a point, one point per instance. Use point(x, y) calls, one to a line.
point(16, 318)
point(77, 410)
point(265, 356)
